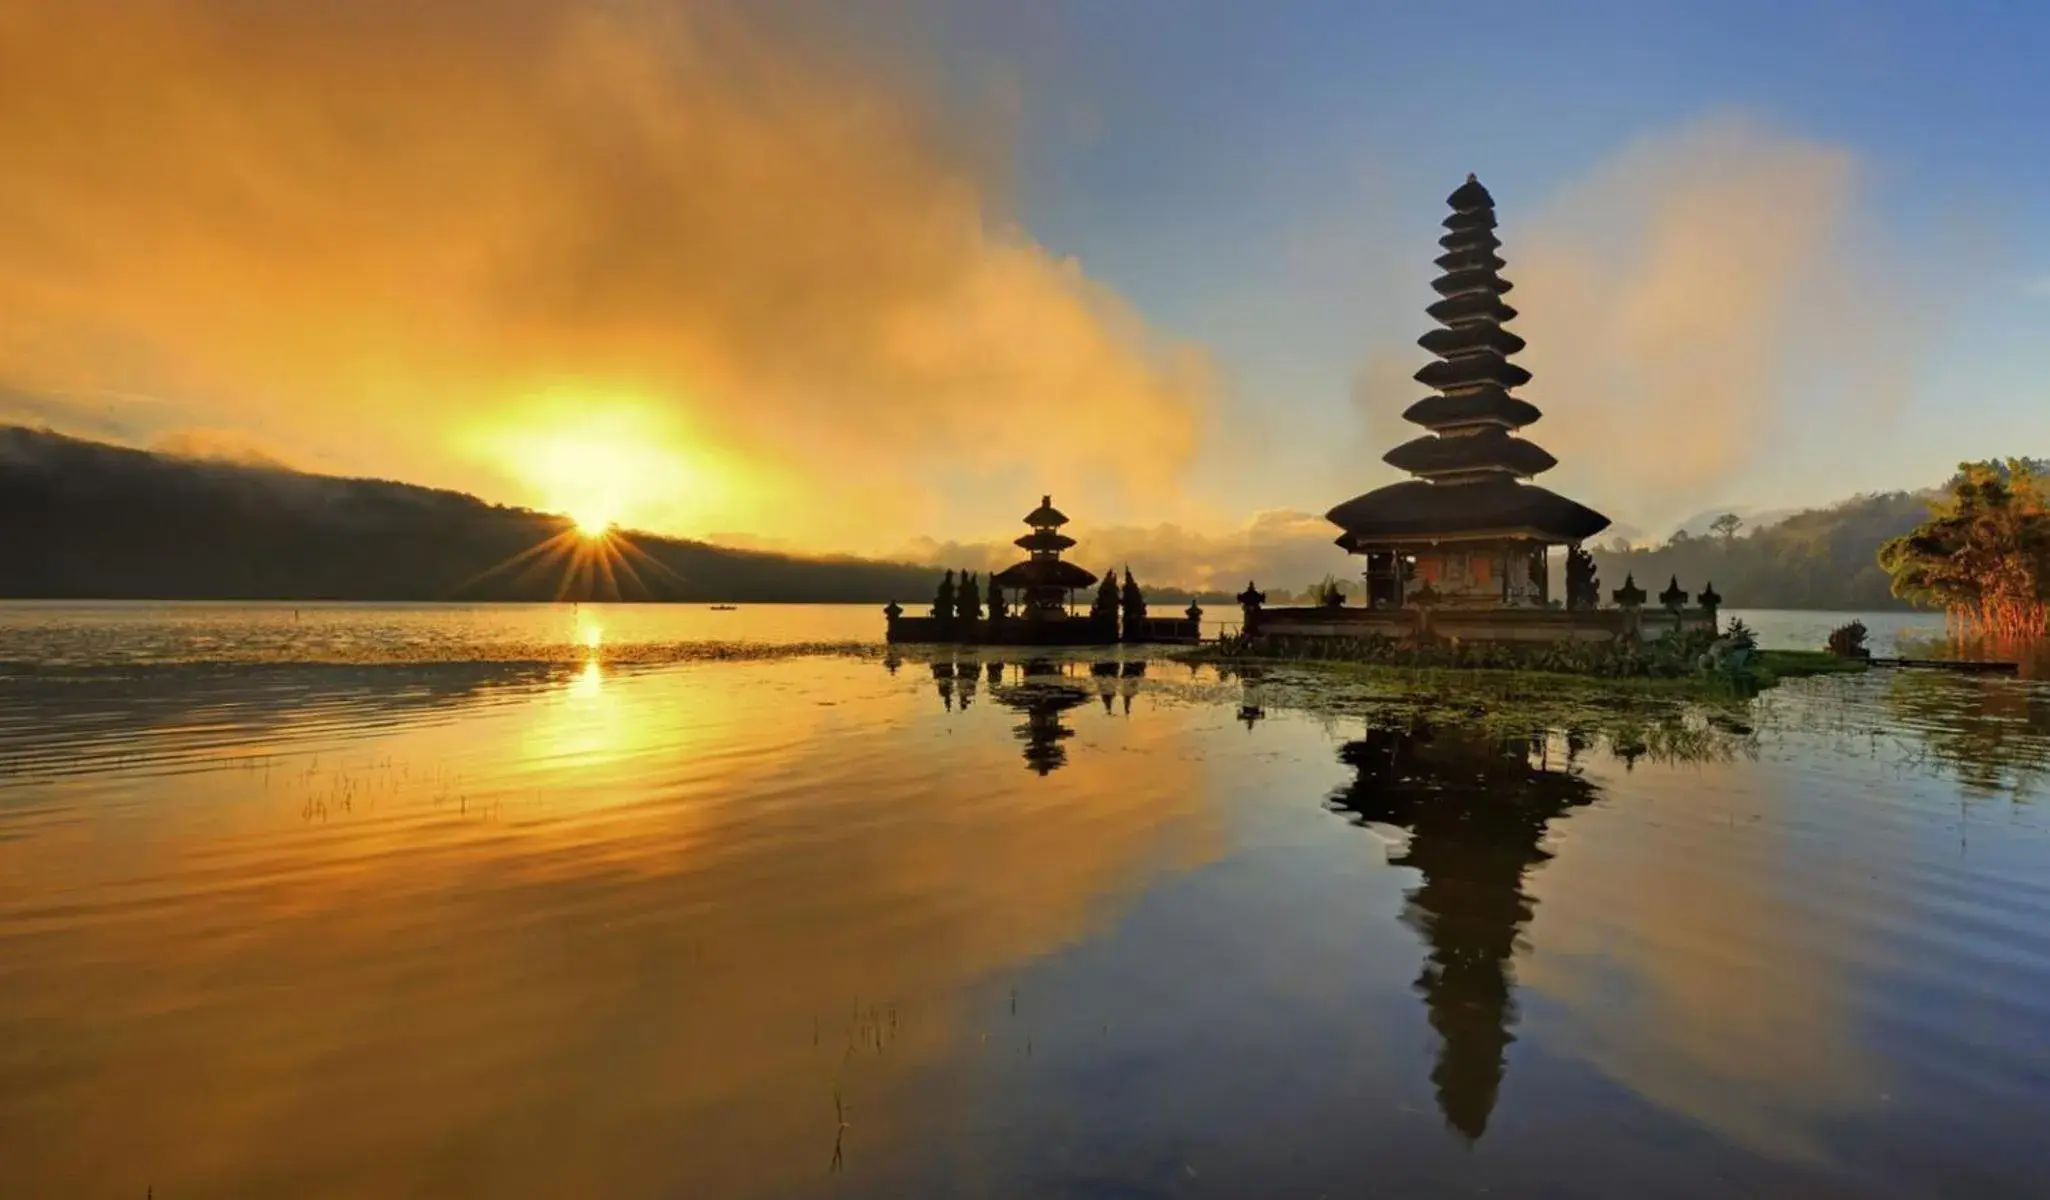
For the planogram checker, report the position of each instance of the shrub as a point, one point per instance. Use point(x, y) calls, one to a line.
point(1848, 640)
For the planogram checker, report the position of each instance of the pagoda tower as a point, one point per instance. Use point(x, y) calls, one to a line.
point(1044, 579)
point(1467, 524)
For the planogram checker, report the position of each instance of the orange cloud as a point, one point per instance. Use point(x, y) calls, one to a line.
point(379, 234)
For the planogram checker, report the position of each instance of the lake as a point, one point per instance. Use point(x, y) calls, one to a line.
point(634, 901)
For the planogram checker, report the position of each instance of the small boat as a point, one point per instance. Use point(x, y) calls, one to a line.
point(723, 608)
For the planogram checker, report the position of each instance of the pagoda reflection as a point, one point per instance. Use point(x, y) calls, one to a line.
point(1476, 807)
point(1043, 690)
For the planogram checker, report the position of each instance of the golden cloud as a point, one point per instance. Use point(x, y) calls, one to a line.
point(384, 235)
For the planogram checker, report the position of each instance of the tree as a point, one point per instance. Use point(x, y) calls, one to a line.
point(1727, 525)
point(1819, 559)
point(1983, 555)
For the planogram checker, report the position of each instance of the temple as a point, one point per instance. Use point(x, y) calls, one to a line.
point(1044, 583)
point(1462, 549)
point(1467, 525)
point(1032, 602)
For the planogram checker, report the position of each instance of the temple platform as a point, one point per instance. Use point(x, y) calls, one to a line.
point(1414, 625)
point(1069, 631)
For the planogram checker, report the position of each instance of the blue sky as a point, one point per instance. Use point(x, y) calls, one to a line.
point(1266, 179)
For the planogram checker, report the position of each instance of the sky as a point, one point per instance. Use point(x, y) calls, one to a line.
point(871, 279)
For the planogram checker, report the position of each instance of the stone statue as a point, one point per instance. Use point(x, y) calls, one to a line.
point(1250, 601)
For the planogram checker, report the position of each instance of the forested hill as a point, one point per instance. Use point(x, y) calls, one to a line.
point(1822, 559)
point(83, 520)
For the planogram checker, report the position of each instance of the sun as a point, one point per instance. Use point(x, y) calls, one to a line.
point(601, 467)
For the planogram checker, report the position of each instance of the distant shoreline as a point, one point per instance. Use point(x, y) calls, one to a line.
point(1221, 609)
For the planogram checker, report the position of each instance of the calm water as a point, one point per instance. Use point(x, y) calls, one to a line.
point(129, 633)
point(532, 902)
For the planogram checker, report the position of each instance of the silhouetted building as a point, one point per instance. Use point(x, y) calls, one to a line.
point(1460, 551)
point(1467, 525)
point(1044, 582)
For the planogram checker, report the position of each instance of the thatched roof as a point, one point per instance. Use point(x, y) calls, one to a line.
point(1044, 540)
point(1489, 449)
point(1470, 258)
point(1473, 304)
point(1418, 511)
point(1470, 195)
point(1472, 408)
point(1046, 515)
point(1480, 218)
point(1460, 283)
point(1471, 239)
point(1460, 339)
point(1045, 572)
point(1474, 369)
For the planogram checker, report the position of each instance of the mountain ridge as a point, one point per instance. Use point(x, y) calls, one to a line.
point(82, 519)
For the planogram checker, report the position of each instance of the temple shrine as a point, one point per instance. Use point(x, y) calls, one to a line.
point(1044, 582)
point(1462, 549)
point(1032, 602)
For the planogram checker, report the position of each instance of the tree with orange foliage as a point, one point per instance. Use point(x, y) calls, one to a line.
point(1983, 556)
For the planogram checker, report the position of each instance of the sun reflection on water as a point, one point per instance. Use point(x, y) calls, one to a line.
point(587, 682)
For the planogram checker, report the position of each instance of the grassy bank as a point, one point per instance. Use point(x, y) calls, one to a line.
point(1771, 666)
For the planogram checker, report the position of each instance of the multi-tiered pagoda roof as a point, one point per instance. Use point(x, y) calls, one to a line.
point(1045, 568)
point(1470, 467)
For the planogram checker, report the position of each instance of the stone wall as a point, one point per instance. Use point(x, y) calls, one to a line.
point(1165, 629)
point(1480, 625)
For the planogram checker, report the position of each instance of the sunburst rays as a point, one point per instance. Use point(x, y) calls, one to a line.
point(606, 565)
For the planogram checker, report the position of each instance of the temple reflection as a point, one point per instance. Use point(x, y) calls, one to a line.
point(956, 683)
point(1476, 806)
point(1043, 690)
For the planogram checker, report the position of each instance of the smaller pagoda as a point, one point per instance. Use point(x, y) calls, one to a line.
point(1044, 582)
point(1030, 603)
